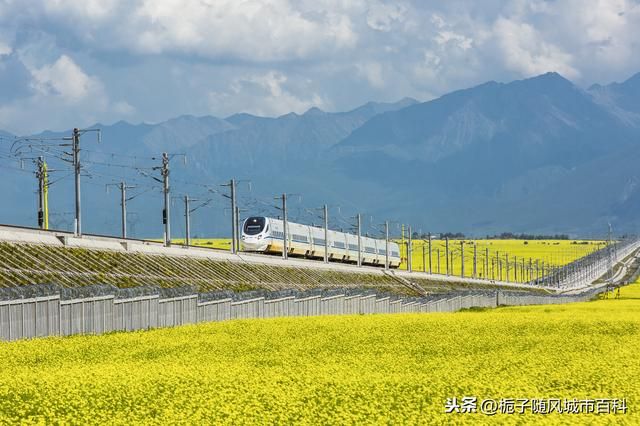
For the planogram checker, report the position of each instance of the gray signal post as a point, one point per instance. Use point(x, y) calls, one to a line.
point(424, 257)
point(438, 253)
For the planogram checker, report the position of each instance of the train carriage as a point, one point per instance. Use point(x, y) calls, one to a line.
point(266, 235)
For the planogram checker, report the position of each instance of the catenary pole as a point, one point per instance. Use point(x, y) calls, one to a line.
point(409, 251)
point(76, 168)
point(238, 229)
point(446, 252)
point(123, 208)
point(359, 229)
point(166, 217)
point(326, 233)
point(187, 222)
point(40, 176)
point(475, 260)
point(285, 231)
point(234, 229)
point(462, 258)
point(430, 269)
point(386, 245)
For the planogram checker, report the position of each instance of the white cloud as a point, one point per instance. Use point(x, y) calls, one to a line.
point(525, 51)
point(84, 9)
point(65, 79)
point(123, 108)
point(438, 21)
point(264, 94)
point(249, 30)
point(381, 17)
point(372, 72)
point(63, 95)
point(219, 56)
point(428, 70)
point(450, 37)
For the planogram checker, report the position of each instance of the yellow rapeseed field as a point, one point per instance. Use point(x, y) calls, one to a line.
point(216, 243)
point(551, 252)
point(396, 369)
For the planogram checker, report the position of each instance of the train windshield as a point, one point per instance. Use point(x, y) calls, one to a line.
point(254, 225)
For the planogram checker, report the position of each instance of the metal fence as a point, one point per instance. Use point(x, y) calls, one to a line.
point(50, 316)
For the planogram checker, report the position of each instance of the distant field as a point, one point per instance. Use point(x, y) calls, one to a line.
point(552, 252)
point(373, 369)
point(216, 243)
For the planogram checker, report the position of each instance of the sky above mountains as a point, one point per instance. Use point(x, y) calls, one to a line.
point(68, 63)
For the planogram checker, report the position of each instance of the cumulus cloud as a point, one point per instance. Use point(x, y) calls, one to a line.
point(525, 51)
point(61, 91)
point(251, 30)
point(65, 79)
point(265, 95)
point(154, 59)
point(381, 17)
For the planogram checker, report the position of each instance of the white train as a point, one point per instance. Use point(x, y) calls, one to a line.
point(265, 234)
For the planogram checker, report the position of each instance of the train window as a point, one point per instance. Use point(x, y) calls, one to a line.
point(254, 225)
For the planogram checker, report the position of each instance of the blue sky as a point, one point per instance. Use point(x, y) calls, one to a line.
point(66, 63)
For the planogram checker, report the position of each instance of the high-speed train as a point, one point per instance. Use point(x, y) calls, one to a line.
point(266, 235)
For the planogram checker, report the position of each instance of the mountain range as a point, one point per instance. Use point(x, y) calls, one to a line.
point(539, 155)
